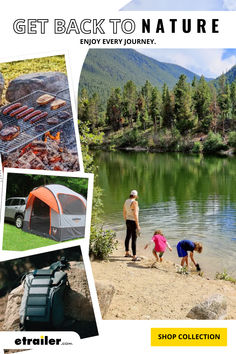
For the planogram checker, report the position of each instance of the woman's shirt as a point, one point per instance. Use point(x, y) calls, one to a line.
point(129, 208)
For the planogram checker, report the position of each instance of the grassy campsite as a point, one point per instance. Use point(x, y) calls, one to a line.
point(45, 203)
point(16, 239)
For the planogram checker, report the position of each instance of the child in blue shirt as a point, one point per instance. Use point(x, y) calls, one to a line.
point(186, 245)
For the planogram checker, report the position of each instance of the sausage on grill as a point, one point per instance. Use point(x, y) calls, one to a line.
point(11, 107)
point(37, 118)
point(24, 113)
point(17, 111)
point(31, 115)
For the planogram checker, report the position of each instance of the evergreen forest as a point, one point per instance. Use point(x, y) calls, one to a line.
point(192, 116)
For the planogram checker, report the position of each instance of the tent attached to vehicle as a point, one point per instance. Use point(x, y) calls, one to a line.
point(56, 212)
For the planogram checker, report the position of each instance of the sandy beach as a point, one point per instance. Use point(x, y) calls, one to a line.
point(159, 293)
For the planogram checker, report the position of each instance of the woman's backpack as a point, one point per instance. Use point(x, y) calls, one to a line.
point(42, 305)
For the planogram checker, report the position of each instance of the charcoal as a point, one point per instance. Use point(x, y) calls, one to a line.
point(75, 166)
point(37, 164)
point(40, 152)
point(38, 143)
point(24, 165)
point(58, 167)
point(27, 157)
point(50, 155)
point(45, 159)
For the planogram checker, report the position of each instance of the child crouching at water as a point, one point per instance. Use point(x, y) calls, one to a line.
point(186, 245)
point(160, 245)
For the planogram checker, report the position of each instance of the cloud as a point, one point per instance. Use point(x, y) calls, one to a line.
point(230, 5)
point(208, 62)
point(180, 5)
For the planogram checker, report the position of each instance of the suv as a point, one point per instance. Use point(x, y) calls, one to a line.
point(14, 210)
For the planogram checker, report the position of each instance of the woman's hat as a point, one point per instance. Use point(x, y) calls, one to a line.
point(134, 192)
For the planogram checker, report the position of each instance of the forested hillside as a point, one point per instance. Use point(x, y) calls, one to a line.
point(196, 116)
point(105, 69)
point(230, 76)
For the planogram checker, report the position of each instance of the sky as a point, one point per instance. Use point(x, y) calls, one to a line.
point(181, 5)
point(208, 62)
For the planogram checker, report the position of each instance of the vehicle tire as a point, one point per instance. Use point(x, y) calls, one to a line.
point(19, 221)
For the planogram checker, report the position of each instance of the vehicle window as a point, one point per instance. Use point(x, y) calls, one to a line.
point(15, 202)
point(22, 202)
point(8, 202)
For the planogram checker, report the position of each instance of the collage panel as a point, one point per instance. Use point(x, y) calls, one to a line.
point(43, 209)
point(46, 202)
point(47, 292)
point(38, 123)
point(166, 167)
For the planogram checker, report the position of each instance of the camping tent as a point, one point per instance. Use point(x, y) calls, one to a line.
point(56, 212)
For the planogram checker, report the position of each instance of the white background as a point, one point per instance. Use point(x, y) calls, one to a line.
point(114, 336)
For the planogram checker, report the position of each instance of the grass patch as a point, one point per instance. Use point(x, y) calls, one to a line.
point(17, 240)
point(14, 69)
point(225, 276)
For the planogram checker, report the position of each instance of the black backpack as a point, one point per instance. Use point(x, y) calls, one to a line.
point(42, 305)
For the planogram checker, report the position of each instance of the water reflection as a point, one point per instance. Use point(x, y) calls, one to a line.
point(186, 196)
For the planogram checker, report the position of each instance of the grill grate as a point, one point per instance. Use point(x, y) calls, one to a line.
point(27, 130)
point(64, 94)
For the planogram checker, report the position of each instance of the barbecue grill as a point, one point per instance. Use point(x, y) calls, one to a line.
point(28, 132)
point(64, 94)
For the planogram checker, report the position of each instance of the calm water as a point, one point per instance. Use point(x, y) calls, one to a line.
point(186, 196)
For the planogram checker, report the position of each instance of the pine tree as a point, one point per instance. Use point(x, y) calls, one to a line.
point(83, 102)
point(129, 102)
point(214, 109)
point(142, 111)
point(228, 104)
point(114, 109)
point(224, 101)
point(93, 111)
point(147, 94)
point(202, 99)
point(194, 83)
point(167, 108)
point(233, 102)
point(183, 105)
point(156, 108)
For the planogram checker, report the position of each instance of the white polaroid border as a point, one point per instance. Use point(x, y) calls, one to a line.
point(7, 337)
point(1, 178)
point(4, 255)
point(73, 93)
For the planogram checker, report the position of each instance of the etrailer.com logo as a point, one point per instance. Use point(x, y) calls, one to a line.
point(43, 340)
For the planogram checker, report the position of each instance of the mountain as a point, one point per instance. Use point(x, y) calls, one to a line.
point(230, 76)
point(105, 69)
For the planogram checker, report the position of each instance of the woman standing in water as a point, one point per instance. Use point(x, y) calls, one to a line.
point(131, 214)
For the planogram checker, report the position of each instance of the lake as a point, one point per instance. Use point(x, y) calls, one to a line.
point(186, 196)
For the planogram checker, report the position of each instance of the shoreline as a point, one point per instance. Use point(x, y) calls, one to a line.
point(109, 148)
point(209, 261)
point(143, 292)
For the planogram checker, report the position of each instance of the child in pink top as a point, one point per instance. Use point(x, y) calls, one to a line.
point(160, 245)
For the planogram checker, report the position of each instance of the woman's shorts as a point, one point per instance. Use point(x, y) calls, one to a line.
point(181, 251)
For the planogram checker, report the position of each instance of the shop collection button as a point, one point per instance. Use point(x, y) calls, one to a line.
point(188, 337)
